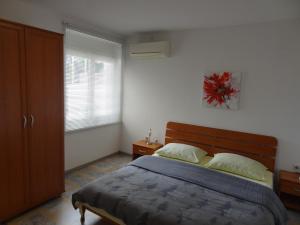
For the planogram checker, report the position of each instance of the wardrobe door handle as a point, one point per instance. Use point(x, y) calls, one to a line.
point(32, 120)
point(24, 121)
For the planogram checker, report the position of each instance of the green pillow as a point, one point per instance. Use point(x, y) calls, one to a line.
point(239, 165)
point(182, 152)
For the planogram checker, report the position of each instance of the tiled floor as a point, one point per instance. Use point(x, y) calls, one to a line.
point(60, 211)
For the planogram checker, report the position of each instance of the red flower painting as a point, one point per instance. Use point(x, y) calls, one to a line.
point(221, 90)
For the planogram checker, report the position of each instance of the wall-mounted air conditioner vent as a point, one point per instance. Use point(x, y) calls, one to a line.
point(150, 49)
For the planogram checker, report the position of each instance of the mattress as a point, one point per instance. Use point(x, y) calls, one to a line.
point(268, 182)
point(156, 190)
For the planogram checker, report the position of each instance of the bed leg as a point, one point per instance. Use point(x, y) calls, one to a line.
point(82, 212)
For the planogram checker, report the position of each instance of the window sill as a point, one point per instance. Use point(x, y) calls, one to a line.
point(90, 128)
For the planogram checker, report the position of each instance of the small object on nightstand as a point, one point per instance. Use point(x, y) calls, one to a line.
point(148, 139)
point(289, 189)
point(140, 148)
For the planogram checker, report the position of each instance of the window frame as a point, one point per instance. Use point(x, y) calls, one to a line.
point(94, 59)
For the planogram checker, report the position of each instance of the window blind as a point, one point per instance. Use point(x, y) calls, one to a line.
point(92, 81)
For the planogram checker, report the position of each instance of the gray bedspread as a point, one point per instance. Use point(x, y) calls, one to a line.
point(158, 191)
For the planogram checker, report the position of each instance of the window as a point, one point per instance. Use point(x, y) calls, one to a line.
point(92, 81)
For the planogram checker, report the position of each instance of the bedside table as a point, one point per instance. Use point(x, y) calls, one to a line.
point(140, 148)
point(289, 189)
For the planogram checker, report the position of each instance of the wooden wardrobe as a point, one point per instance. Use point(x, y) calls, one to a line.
point(31, 117)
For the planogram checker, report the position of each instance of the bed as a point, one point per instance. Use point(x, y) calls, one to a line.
point(155, 190)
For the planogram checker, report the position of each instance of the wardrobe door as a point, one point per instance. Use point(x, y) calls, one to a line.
point(44, 65)
point(12, 121)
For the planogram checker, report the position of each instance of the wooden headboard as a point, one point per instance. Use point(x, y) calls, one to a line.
point(258, 147)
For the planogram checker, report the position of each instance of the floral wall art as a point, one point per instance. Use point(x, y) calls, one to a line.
point(222, 90)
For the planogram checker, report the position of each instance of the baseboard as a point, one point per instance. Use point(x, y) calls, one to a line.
point(126, 152)
point(92, 162)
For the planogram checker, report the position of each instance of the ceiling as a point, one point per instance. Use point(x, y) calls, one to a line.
point(128, 16)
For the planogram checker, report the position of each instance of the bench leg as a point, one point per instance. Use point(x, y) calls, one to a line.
point(82, 212)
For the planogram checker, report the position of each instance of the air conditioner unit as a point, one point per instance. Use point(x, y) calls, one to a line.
point(159, 49)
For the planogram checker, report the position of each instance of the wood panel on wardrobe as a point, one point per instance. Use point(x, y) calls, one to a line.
point(13, 167)
point(31, 117)
point(46, 118)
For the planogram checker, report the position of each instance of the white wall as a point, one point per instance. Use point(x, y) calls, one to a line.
point(30, 14)
point(161, 90)
point(86, 146)
point(80, 147)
